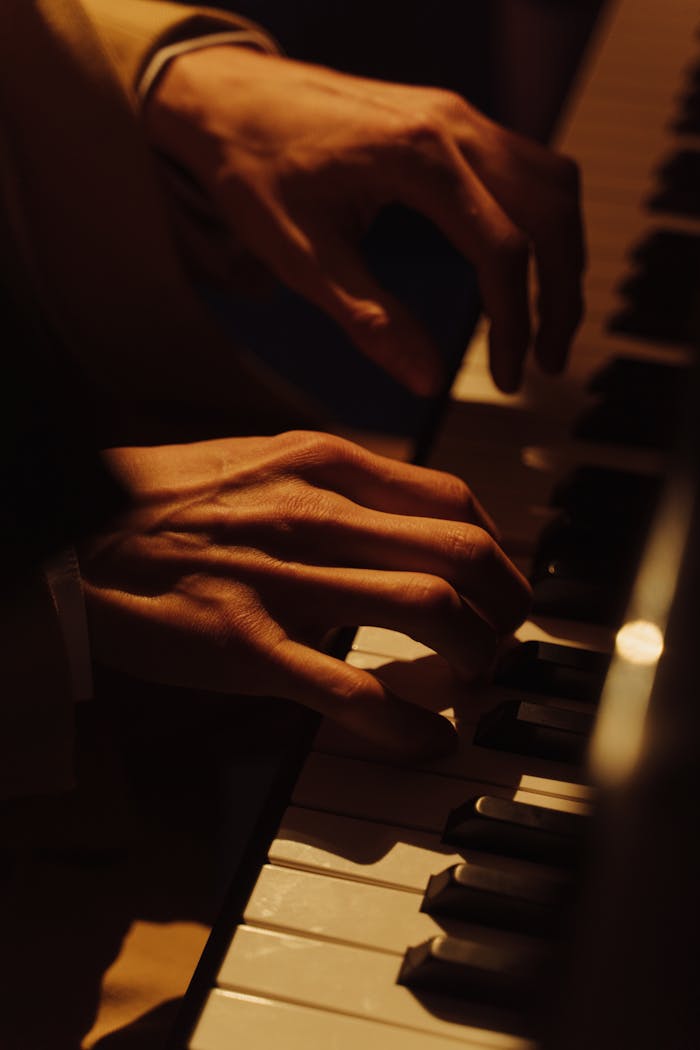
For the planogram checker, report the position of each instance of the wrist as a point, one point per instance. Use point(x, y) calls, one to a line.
point(179, 119)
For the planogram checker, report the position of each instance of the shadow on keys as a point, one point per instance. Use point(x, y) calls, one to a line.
point(482, 895)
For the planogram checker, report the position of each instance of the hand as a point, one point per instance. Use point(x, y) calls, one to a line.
point(240, 554)
point(298, 159)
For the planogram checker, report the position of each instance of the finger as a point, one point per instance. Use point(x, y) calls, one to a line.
point(324, 528)
point(210, 254)
point(560, 257)
point(388, 485)
point(337, 280)
point(543, 196)
point(463, 555)
point(449, 193)
point(360, 703)
point(424, 607)
point(329, 273)
point(540, 191)
point(308, 600)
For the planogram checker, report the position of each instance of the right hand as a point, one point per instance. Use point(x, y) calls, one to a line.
point(297, 160)
point(239, 555)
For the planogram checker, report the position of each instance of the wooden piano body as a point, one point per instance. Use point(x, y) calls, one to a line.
point(311, 957)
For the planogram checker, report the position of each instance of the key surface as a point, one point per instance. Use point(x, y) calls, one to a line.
point(371, 852)
point(361, 914)
point(349, 980)
point(230, 1019)
point(403, 797)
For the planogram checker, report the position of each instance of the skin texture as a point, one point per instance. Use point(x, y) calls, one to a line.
point(240, 554)
point(296, 160)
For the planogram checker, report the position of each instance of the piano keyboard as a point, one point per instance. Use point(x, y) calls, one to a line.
point(316, 959)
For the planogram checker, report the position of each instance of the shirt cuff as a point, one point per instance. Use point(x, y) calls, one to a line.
point(63, 577)
point(254, 38)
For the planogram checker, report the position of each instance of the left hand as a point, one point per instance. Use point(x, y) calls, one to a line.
point(239, 555)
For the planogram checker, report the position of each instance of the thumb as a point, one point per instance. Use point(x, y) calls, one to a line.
point(358, 702)
point(335, 278)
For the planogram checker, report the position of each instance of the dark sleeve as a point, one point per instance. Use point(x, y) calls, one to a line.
point(54, 488)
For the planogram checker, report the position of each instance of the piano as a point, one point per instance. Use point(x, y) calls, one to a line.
point(416, 908)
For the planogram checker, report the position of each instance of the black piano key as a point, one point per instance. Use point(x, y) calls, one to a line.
point(555, 670)
point(501, 976)
point(601, 497)
point(516, 829)
point(661, 295)
point(622, 374)
point(541, 730)
point(525, 903)
point(638, 424)
point(564, 591)
point(598, 549)
point(583, 573)
point(679, 190)
point(637, 406)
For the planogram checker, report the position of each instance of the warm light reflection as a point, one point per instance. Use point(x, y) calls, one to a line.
point(639, 642)
point(618, 743)
point(537, 458)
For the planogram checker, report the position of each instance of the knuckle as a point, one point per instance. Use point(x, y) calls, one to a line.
point(425, 132)
point(368, 317)
point(304, 450)
point(294, 443)
point(346, 686)
point(460, 495)
point(472, 544)
point(430, 594)
point(301, 506)
point(448, 102)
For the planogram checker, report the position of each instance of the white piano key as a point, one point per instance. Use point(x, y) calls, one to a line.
point(384, 642)
point(632, 83)
point(399, 647)
point(407, 797)
point(369, 852)
point(362, 914)
point(470, 762)
point(349, 980)
point(367, 661)
point(359, 849)
point(431, 683)
point(230, 1019)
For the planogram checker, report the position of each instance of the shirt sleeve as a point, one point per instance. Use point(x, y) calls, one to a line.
point(134, 31)
point(241, 38)
point(65, 584)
